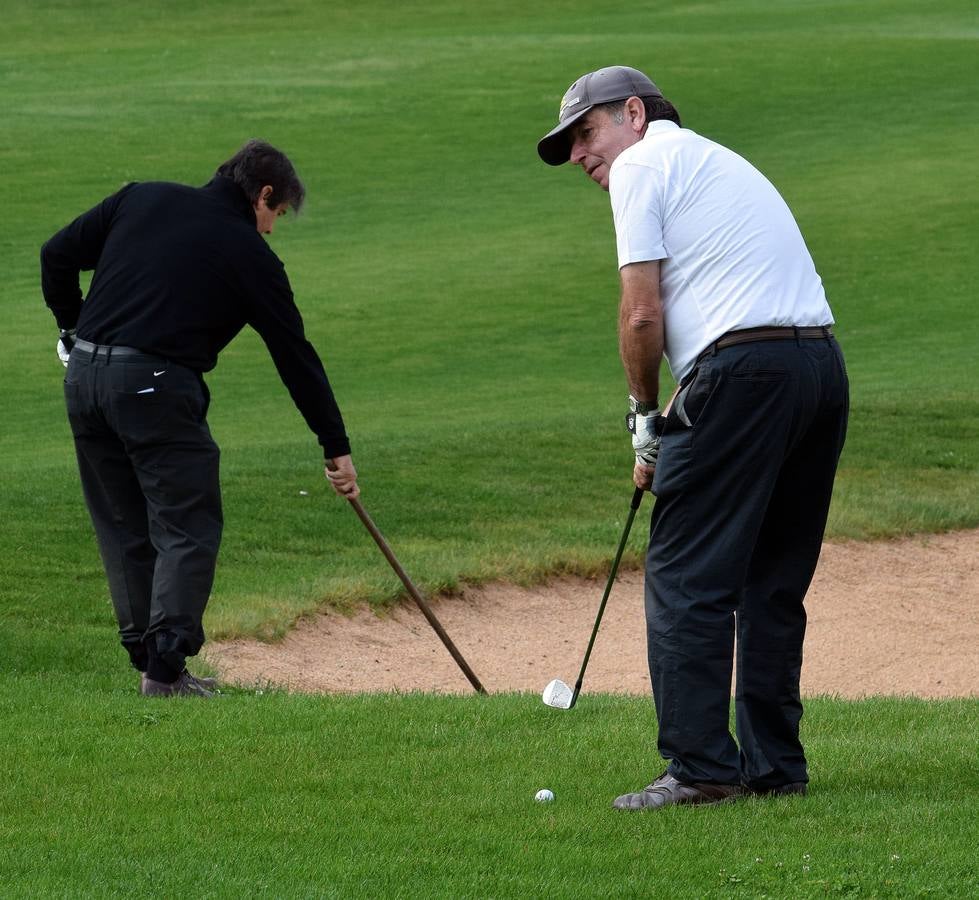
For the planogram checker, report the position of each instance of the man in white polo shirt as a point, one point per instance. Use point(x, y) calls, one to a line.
point(716, 277)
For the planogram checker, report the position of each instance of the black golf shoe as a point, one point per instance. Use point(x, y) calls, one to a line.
point(797, 788)
point(667, 791)
point(210, 684)
point(186, 685)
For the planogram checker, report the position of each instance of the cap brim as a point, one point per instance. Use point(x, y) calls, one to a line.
point(555, 147)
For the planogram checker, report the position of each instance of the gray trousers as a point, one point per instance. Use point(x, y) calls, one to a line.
point(149, 472)
point(743, 489)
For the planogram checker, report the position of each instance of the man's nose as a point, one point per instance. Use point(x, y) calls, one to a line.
point(578, 151)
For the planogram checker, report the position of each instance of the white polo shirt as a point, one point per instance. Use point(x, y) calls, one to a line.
point(732, 254)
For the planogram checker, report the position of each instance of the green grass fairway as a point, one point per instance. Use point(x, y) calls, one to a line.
point(462, 293)
point(415, 796)
point(463, 296)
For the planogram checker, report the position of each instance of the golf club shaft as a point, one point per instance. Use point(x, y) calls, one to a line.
point(633, 509)
point(415, 595)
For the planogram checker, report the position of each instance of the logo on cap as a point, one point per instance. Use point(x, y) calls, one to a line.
point(565, 103)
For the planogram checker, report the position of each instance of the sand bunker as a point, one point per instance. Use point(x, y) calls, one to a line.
point(889, 617)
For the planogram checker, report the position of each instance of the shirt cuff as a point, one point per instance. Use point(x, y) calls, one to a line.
point(335, 448)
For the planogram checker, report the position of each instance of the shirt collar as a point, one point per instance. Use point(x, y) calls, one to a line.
point(658, 127)
point(653, 130)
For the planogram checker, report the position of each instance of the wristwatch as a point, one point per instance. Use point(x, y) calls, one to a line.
point(642, 407)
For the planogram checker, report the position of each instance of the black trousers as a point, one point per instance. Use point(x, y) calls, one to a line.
point(149, 472)
point(743, 487)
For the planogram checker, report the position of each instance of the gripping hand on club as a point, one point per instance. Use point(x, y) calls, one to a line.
point(342, 476)
point(645, 444)
point(65, 342)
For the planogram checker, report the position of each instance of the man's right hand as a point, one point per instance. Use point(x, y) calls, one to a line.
point(65, 343)
point(343, 477)
point(642, 476)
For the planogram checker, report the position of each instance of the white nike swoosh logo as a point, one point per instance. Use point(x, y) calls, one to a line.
point(157, 374)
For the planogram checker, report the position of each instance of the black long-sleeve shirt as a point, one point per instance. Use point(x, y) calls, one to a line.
point(179, 271)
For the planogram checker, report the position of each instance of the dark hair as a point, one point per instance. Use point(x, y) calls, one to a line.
point(258, 164)
point(656, 108)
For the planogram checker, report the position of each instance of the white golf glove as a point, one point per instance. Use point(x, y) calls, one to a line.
point(645, 435)
point(65, 343)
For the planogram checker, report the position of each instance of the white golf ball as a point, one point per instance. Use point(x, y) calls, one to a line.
point(544, 796)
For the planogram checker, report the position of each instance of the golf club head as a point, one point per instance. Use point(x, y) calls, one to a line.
point(558, 695)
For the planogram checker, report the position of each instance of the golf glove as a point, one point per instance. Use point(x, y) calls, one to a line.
point(646, 430)
point(65, 343)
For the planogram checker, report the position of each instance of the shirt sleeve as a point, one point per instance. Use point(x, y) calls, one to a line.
point(75, 249)
point(636, 194)
point(277, 320)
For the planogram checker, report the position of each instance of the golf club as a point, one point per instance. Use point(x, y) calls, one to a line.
point(415, 595)
point(557, 693)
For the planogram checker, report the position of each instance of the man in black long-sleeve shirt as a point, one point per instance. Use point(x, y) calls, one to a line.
point(179, 271)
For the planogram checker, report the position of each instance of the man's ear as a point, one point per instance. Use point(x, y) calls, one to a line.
point(635, 114)
point(264, 194)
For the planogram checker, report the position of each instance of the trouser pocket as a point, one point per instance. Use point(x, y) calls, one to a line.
point(692, 398)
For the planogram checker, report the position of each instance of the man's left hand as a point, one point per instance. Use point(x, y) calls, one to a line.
point(645, 437)
point(645, 443)
point(65, 343)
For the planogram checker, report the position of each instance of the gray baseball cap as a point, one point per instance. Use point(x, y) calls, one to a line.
point(601, 86)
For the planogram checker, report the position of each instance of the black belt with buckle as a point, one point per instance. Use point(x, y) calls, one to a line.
point(108, 350)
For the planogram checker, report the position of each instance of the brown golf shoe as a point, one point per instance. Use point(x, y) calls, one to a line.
point(186, 685)
point(667, 791)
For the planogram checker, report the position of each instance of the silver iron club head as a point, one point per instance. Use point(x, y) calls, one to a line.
point(557, 694)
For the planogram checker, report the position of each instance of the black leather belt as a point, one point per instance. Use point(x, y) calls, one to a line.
point(766, 333)
point(108, 350)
